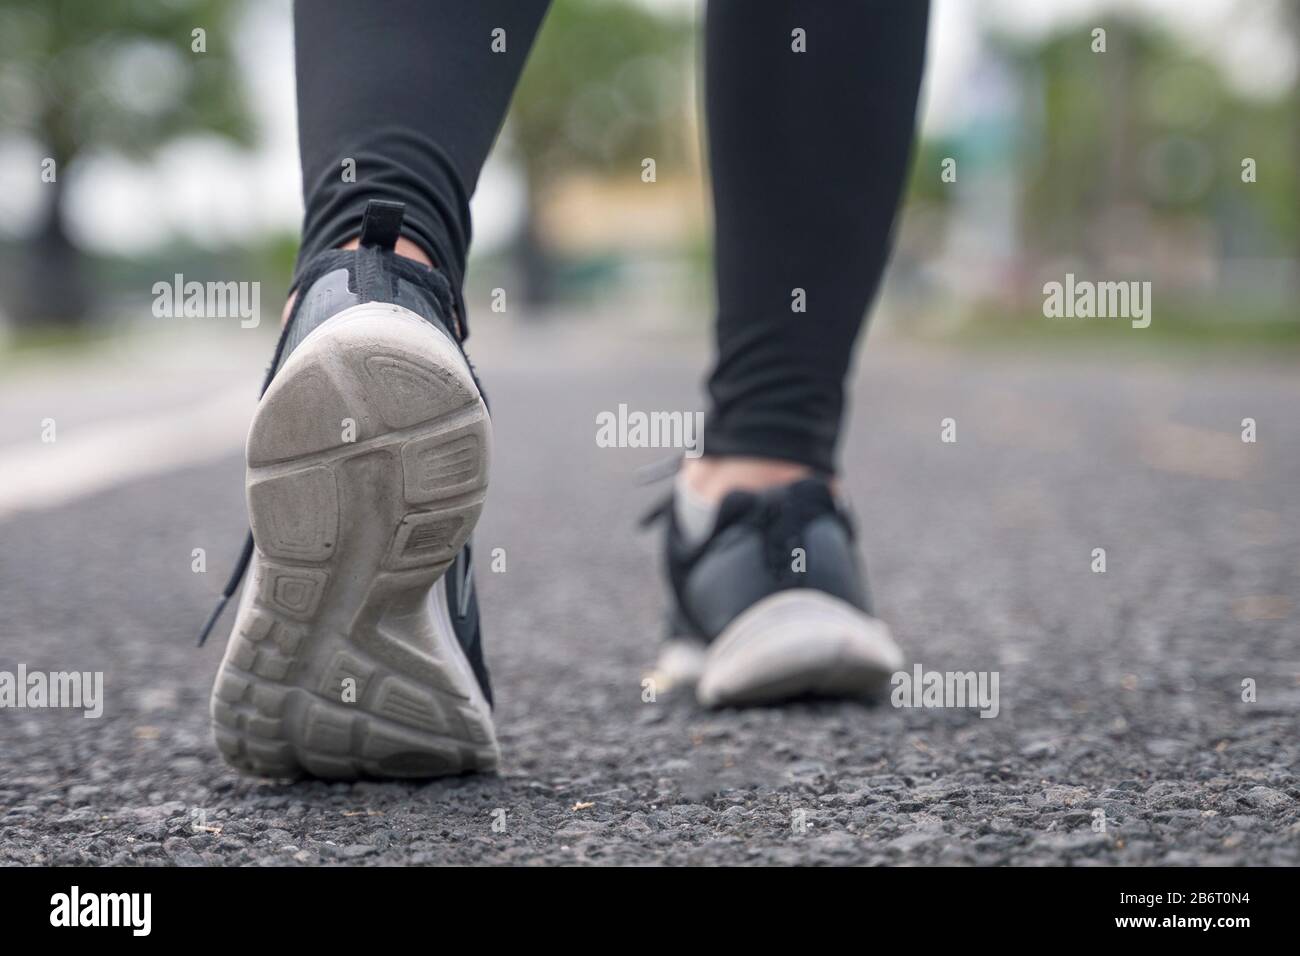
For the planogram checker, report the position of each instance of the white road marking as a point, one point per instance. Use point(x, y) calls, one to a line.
point(83, 461)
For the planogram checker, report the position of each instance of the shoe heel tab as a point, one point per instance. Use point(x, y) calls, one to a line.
point(381, 224)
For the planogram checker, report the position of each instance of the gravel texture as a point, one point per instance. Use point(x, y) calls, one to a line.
point(1119, 692)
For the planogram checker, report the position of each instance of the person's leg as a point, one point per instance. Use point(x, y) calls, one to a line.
point(811, 107)
point(409, 95)
point(808, 152)
point(356, 649)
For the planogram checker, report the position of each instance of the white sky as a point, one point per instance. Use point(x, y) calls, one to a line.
point(204, 191)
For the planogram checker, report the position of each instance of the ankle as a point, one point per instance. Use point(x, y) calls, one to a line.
point(404, 248)
point(711, 479)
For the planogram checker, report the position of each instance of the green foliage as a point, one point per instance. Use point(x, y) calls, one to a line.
point(77, 75)
point(924, 184)
point(605, 86)
point(1150, 124)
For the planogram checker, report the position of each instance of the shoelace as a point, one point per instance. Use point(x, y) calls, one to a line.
point(246, 553)
point(781, 522)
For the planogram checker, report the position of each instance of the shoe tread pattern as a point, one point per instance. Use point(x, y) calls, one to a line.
point(350, 538)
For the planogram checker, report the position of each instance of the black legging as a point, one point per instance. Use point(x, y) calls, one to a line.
point(807, 151)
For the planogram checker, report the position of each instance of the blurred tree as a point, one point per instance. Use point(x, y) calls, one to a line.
point(83, 76)
point(1293, 23)
point(1152, 125)
point(605, 87)
point(1084, 138)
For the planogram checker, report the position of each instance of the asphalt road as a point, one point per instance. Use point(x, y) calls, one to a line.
point(1120, 692)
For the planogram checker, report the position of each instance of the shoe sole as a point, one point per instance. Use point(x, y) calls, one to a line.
point(798, 643)
point(680, 665)
point(367, 468)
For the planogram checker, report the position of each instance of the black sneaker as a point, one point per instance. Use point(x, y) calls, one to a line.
point(356, 650)
point(773, 605)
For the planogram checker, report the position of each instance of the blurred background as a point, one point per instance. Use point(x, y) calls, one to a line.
point(125, 158)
